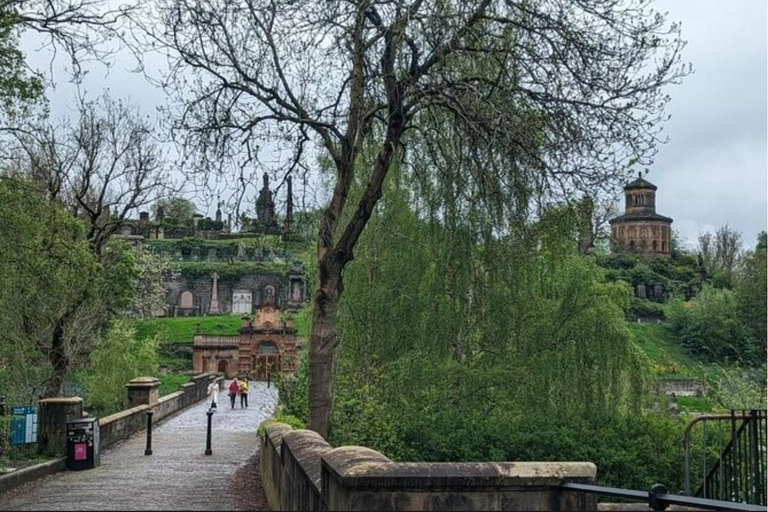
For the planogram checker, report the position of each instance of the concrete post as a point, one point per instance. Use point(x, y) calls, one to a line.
point(53, 415)
point(143, 391)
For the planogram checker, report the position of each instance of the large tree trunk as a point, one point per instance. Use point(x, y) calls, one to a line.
point(323, 339)
point(59, 361)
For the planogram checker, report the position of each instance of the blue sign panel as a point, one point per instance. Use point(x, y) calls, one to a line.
point(23, 425)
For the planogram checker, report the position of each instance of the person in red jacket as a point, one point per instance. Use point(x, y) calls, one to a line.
point(234, 389)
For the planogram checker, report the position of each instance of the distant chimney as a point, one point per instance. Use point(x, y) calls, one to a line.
point(143, 216)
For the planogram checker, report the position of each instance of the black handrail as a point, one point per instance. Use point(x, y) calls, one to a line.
point(658, 498)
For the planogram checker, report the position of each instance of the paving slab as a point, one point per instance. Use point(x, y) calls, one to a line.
point(177, 476)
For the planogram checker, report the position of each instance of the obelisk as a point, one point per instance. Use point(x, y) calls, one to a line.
point(214, 310)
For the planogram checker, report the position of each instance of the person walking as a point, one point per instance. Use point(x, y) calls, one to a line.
point(213, 392)
point(244, 393)
point(234, 389)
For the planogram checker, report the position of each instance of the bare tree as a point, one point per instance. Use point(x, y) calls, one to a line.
point(83, 30)
point(721, 250)
point(569, 92)
point(102, 166)
point(728, 250)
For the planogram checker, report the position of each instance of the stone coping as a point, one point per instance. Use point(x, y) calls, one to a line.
point(172, 396)
point(356, 466)
point(61, 400)
point(274, 431)
point(143, 382)
point(31, 473)
point(204, 375)
point(123, 414)
point(307, 446)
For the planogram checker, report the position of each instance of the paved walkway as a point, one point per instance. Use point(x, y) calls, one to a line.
point(178, 476)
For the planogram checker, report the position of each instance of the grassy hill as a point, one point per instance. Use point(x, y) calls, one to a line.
point(727, 386)
point(182, 329)
point(658, 342)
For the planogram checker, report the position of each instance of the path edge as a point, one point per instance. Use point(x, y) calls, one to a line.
point(31, 473)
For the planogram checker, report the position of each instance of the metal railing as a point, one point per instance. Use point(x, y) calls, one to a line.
point(732, 451)
point(659, 499)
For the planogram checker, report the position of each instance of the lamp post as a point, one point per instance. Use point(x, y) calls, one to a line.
point(148, 450)
point(208, 450)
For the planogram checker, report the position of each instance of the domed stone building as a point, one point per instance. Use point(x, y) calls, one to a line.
point(641, 229)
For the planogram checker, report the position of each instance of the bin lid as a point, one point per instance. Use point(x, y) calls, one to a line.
point(81, 422)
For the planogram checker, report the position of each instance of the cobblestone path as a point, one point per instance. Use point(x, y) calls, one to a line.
point(177, 476)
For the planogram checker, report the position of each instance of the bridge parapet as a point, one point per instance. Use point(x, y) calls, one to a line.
point(300, 471)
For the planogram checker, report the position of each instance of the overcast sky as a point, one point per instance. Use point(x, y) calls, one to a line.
point(712, 171)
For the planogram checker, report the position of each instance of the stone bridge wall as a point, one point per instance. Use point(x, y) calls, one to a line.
point(121, 425)
point(300, 471)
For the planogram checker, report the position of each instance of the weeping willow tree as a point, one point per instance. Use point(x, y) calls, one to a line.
point(463, 342)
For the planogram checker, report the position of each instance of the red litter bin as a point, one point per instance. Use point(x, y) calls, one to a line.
point(83, 444)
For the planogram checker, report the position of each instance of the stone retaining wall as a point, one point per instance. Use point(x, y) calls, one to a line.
point(124, 424)
point(681, 387)
point(300, 471)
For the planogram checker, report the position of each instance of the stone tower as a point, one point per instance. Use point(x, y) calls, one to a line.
point(641, 229)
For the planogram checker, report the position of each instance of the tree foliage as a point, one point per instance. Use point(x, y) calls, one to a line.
point(722, 253)
point(710, 326)
point(49, 291)
point(450, 340)
point(177, 208)
point(117, 358)
point(751, 291)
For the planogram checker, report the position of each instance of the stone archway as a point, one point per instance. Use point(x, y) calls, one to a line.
point(223, 365)
point(267, 360)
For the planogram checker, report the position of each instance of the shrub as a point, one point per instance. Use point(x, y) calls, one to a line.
point(709, 326)
point(118, 358)
point(640, 308)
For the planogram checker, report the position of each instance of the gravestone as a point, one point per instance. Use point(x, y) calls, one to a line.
point(240, 250)
point(212, 255)
point(258, 253)
point(641, 291)
point(658, 293)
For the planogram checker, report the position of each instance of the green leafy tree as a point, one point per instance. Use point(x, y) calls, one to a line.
point(19, 88)
point(710, 326)
point(751, 291)
point(50, 284)
point(117, 358)
point(177, 208)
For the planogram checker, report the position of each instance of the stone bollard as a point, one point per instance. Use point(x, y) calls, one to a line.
point(143, 391)
point(53, 415)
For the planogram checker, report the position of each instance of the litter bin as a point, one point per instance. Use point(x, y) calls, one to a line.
point(83, 444)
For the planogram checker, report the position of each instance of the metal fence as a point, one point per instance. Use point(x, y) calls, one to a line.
point(725, 456)
point(659, 499)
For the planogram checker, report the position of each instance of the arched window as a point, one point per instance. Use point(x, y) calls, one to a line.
point(654, 245)
point(663, 246)
point(241, 301)
point(631, 245)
